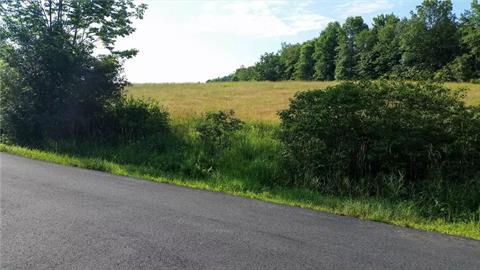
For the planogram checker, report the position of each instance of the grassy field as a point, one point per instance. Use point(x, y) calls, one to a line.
point(252, 101)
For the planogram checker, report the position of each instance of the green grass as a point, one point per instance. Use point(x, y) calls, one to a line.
point(403, 213)
point(252, 101)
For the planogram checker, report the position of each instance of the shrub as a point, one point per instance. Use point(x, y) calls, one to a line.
point(135, 119)
point(460, 69)
point(409, 73)
point(216, 128)
point(364, 133)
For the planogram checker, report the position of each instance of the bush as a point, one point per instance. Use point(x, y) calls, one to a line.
point(216, 128)
point(353, 137)
point(135, 119)
point(215, 132)
point(400, 72)
point(460, 69)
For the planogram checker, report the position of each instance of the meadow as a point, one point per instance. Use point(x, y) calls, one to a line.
point(252, 101)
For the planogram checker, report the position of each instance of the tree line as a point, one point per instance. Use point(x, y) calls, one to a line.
point(432, 44)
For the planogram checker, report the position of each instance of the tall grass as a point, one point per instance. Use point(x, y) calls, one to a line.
point(252, 101)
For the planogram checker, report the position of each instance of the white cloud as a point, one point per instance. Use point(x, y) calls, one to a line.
point(259, 18)
point(361, 7)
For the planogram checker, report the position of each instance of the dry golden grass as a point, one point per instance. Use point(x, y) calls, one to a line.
point(252, 101)
point(473, 93)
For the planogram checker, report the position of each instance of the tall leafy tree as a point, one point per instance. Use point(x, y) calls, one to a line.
point(347, 48)
point(269, 68)
point(430, 39)
point(324, 55)
point(365, 56)
point(468, 64)
point(48, 45)
point(305, 67)
point(289, 55)
point(386, 50)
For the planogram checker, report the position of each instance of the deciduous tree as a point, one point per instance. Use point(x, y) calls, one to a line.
point(430, 38)
point(324, 55)
point(49, 46)
point(305, 67)
point(347, 48)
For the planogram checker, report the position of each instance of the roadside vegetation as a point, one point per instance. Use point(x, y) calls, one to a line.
point(405, 153)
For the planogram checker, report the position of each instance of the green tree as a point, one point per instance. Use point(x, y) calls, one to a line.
point(245, 74)
point(347, 48)
point(48, 45)
point(324, 55)
point(467, 66)
point(289, 55)
point(365, 56)
point(386, 50)
point(305, 66)
point(269, 68)
point(430, 39)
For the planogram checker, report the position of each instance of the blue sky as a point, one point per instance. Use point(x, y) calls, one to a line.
point(192, 41)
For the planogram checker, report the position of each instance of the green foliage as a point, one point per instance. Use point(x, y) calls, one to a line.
point(227, 78)
point(253, 155)
point(289, 55)
point(351, 138)
point(215, 135)
point(245, 74)
point(453, 201)
point(348, 48)
point(387, 48)
point(63, 89)
point(430, 38)
point(467, 65)
point(36, 107)
point(324, 55)
point(216, 128)
point(136, 119)
point(304, 68)
point(16, 112)
point(365, 57)
point(269, 68)
point(462, 68)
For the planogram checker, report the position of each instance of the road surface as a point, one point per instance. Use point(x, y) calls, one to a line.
point(57, 217)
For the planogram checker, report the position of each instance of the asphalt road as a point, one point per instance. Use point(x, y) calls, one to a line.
point(67, 218)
